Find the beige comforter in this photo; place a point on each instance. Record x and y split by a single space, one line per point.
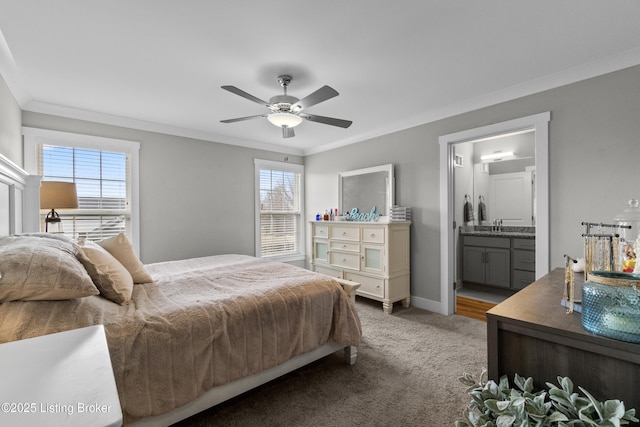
204 322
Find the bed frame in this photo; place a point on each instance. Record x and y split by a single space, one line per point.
225 392
19 199
19 213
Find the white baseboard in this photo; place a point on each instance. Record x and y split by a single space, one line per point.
428 304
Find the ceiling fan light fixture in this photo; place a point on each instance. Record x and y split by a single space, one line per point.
284 119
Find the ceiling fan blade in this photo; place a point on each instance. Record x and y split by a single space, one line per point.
240 119
322 94
287 132
244 94
327 120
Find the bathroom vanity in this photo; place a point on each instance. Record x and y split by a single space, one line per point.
502 259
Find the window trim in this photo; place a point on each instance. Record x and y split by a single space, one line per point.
287 167
35 136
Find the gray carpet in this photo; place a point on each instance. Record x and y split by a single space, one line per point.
406 375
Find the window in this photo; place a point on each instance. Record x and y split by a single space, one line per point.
105 173
279 210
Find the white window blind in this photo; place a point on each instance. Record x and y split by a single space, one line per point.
97 165
102 181
279 201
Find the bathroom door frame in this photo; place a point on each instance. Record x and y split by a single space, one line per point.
538 123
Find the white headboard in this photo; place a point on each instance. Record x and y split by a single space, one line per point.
19 199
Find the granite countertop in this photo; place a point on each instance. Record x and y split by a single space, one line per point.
507 231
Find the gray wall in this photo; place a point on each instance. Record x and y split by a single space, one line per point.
594 156
10 121
594 168
196 197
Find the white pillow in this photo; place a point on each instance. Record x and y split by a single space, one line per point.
110 277
122 250
41 267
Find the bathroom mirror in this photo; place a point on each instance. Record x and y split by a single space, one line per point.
508 184
365 188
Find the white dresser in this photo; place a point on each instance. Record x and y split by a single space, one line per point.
376 255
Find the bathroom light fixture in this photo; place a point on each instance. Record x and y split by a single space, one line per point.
497 155
284 119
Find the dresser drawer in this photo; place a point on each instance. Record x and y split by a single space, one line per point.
345 260
522 279
373 234
524 260
529 244
320 230
368 285
488 242
345 246
345 233
328 271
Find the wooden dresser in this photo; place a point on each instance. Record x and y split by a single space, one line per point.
531 334
376 255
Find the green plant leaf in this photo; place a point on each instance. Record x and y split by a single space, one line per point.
505 421
597 405
566 384
630 415
524 384
498 405
585 415
468 380
504 383
556 417
613 409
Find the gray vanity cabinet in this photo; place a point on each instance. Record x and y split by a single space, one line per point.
487 261
524 262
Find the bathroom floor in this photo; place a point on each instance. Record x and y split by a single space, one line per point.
481 295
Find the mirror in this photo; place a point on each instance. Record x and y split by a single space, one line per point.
365 188
504 185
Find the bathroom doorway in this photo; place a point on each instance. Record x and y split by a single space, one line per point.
538 124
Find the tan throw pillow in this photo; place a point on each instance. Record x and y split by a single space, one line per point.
120 247
41 267
110 277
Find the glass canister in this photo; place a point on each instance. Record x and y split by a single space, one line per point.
629 238
611 305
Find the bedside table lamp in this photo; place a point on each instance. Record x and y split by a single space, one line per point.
57 194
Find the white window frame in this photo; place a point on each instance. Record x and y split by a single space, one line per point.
287 167
35 136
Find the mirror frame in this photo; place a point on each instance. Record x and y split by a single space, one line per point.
390 184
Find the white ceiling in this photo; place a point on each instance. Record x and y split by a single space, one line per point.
159 64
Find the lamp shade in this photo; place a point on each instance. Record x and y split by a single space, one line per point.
284 119
58 195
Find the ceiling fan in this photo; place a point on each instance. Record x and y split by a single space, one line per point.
285 111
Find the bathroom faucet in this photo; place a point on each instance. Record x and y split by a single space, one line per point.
497 225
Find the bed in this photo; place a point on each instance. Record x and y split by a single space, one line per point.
204 330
